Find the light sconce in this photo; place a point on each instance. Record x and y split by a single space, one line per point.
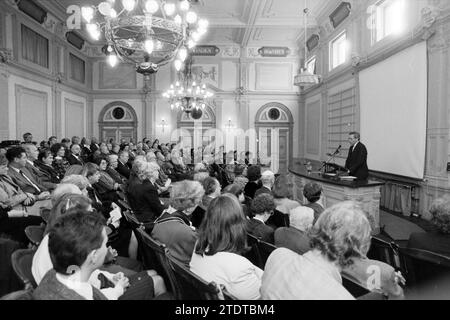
163 124
229 125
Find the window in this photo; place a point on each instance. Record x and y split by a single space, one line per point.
341 120
338 50
34 47
387 19
77 68
311 65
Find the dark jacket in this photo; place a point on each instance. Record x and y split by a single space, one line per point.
24 184
73 160
260 230
175 232
357 162
263 190
292 239
50 174
250 189
41 176
123 170
144 200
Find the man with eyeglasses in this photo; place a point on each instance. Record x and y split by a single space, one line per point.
356 163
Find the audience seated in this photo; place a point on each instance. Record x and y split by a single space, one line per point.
173 227
17 171
238 192
106 187
222 240
113 161
262 208
253 175
437 240
44 163
74 156
341 234
296 236
143 193
312 192
60 163
32 156
122 238
212 190
122 165
282 192
267 181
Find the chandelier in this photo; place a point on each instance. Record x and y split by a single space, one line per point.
306 78
148 33
187 94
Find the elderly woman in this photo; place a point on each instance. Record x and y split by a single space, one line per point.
438 240
218 252
143 192
341 234
296 236
13 211
173 228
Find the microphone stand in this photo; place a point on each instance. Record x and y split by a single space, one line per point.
330 159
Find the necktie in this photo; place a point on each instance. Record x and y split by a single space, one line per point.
31 182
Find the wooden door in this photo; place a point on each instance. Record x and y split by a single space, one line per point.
283 155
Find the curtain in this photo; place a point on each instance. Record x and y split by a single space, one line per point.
34 47
397 198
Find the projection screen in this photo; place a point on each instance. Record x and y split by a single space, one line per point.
393 100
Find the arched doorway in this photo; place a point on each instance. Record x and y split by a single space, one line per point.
196 133
274 127
118 121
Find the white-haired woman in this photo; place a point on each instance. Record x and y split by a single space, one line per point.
174 227
143 193
341 234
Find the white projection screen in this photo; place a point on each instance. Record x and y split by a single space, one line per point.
393 100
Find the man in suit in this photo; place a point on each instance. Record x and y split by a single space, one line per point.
74 156
267 180
295 237
94 144
32 156
122 167
356 163
17 160
262 208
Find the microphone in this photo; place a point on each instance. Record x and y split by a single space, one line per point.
338 150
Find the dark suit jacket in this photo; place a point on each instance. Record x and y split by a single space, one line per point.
94 147
357 162
263 190
115 175
260 230
250 189
292 239
144 200
72 160
23 183
49 173
123 170
41 176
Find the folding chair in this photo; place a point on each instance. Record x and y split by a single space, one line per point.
384 249
35 234
192 287
427 273
22 260
154 255
19 295
265 249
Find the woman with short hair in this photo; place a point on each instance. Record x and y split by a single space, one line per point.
173 227
341 235
218 252
44 163
60 163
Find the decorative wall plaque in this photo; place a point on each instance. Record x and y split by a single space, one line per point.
274 51
205 51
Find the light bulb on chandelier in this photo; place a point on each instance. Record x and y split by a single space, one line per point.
148 33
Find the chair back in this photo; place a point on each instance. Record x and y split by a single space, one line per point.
278 219
252 253
265 249
35 234
427 273
22 260
19 295
131 218
155 256
192 286
383 248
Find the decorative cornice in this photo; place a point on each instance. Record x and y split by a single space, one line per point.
5 55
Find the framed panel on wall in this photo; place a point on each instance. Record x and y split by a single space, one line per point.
274 76
31 112
123 76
